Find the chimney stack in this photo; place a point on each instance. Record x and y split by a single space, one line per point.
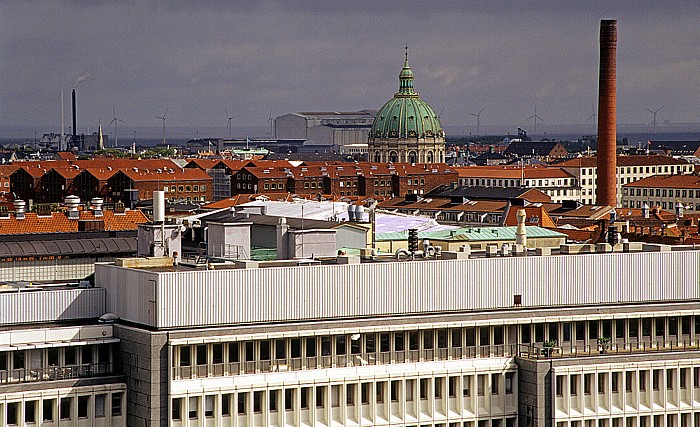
606 189
75 131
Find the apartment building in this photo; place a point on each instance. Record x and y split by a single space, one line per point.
557 183
629 169
463 342
665 191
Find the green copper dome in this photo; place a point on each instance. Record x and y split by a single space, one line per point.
406 115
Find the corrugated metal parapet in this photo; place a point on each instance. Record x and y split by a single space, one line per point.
173 299
51 305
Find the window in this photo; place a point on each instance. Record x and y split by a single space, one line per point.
30 411
311 347
83 402
217 352
176 410
684 378
350 394
257 401
65 408
560 385
209 406
185 356
656 379
587 381
495 379
601 383
320 396
399 343
379 388
233 350
395 390
272 399
452 386
481 384
194 408
424 388
201 354
225 405
305 391
409 392
466 386
242 403
12 408
629 375
670 373
100 405
48 406
325 346
289 399
438 387
615 381
364 391
509 382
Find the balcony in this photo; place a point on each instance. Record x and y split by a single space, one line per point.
341 361
613 349
54 373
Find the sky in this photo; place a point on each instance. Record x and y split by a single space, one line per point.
199 59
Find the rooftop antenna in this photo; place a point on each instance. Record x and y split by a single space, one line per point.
230 117
115 120
536 117
272 123
478 120
163 117
654 113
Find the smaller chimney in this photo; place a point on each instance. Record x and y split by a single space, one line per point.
520 231
282 239
19 208
159 207
645 211
679 210
72 202
97 206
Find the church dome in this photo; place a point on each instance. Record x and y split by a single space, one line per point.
406 116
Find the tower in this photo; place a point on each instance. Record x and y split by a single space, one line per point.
606 190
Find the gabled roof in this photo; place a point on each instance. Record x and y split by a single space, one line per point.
512 172
532 148
534 215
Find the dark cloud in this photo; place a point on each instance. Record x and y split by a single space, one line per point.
250 57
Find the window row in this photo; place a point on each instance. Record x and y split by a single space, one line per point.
184 188
659 329
323 396
64 408
55 356
629 381
686 419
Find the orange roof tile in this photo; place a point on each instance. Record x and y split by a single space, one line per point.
668 181
534 215
58 222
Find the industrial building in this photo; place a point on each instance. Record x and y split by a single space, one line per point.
326 128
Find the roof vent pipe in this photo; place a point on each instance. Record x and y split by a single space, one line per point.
19 208
159 206
97 206
72 202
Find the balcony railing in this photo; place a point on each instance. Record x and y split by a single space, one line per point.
537 351
53 373
612 348
342 361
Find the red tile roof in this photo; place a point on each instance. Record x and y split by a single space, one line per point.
668 181
512 172
58 222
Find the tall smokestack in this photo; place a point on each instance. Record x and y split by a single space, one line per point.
606 190
75 131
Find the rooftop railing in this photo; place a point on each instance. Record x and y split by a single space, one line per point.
613 348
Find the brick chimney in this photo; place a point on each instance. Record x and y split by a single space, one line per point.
606 189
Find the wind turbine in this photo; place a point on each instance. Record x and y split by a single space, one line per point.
535 116
654 113
593 116
230 118
478 120
163 117
115 120
272 123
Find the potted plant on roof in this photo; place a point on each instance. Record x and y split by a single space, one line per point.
548 347
603 344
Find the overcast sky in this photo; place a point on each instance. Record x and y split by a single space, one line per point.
198 58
